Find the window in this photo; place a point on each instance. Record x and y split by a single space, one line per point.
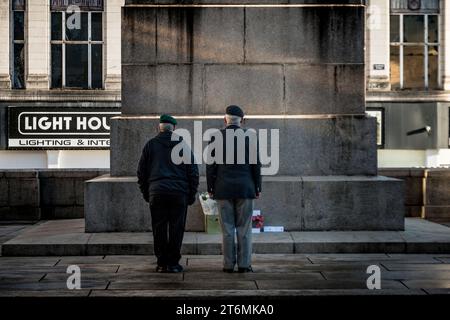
76 46
414 49
18 44
378 113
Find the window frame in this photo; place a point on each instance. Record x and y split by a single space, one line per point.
425 44
383 124
89 42
13 42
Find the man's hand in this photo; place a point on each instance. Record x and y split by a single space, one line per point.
211 195
257 195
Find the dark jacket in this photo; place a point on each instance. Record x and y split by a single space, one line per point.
234 181
157 174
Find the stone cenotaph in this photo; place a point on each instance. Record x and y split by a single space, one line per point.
296 66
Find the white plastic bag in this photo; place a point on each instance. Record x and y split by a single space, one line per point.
209 205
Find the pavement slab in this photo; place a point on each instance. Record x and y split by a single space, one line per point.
9 231
49 285
414 262
299 276
44 293
68 260
248 294
427 284
184 285
275 275
323 284
436 291
416 266
390 275
31 261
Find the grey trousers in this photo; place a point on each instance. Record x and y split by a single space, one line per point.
236 214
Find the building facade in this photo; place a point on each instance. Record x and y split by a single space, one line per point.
408 80
60 79
58 58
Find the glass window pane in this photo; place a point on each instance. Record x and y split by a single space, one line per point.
77 66
97 66
56 65
430 5
378 114
18 25
416 6
395 28
413 28
433 29
56 26
413 71
18 5
433 64
97 26
395 67
77 26
19 70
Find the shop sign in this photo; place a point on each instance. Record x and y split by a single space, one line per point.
59 128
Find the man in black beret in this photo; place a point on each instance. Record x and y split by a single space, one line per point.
169 188
235 186
234 111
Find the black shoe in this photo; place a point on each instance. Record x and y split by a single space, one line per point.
175 269
161 269
228 270
244 270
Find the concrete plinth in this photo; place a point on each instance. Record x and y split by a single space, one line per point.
344 145
297 203
296 66
116 204
194 59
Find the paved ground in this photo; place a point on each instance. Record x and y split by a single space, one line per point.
276 275
67 237
284 275
9 231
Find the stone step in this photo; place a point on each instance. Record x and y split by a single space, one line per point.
299 203
67 238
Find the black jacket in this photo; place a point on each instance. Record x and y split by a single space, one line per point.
157 174
234 181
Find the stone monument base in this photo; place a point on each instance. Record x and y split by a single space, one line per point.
297 68
298 203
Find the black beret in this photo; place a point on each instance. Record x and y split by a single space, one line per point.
165 118
234 111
